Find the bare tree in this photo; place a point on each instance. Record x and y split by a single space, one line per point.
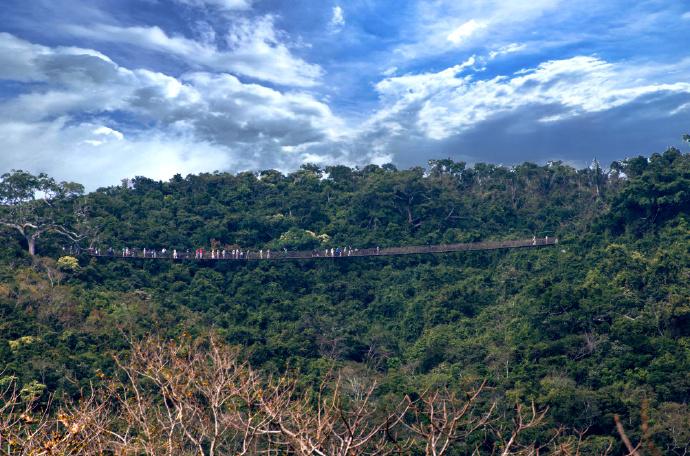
201 398
204 395
74 428
571 444
645 445
329 422
509 437
441 418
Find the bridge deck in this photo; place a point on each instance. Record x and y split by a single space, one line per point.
261 255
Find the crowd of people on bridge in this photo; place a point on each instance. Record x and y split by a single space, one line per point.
213 254
242 254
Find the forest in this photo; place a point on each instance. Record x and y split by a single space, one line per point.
567 344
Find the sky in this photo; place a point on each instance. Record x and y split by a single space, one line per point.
95 91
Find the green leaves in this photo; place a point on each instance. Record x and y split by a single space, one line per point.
589 327
34 205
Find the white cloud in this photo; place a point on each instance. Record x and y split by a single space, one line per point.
464 31
680 109
105 131
337 17
73 152
443 104
413 86
21 60
199 122
507 49
253 49
686 16
441 26
228 5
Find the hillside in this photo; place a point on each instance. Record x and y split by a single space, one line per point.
597 326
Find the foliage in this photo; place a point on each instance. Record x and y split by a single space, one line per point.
299 239
34 205
68 263
199 397
589 329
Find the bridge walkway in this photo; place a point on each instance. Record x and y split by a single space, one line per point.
273 255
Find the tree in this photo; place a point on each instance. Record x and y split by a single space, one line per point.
441 418
200 397
446 166
298 239
35 205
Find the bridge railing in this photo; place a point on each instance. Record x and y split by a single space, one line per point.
251 255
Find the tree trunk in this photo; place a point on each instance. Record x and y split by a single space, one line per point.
32 245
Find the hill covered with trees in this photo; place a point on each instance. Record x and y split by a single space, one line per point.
595 327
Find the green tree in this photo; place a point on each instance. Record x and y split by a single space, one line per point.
34 205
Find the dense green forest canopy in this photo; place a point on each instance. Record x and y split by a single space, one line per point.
592 328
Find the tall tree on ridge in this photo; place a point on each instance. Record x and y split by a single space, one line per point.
35 205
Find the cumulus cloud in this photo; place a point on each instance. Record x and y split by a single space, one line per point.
78 114
439 105
553 111
94 114
252 48
79 152
516 136
23 61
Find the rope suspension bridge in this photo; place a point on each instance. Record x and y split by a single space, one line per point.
237 254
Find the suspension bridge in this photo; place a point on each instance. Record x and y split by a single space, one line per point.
238 254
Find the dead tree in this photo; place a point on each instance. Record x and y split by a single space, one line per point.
201 398
329 422
442 419
76 427
185 399
509 437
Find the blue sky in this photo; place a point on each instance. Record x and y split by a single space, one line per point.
99 90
